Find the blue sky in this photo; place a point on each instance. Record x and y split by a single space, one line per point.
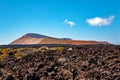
77 19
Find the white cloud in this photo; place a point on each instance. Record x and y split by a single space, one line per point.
98 21
71 23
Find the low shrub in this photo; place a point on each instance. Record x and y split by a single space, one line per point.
20 49
43 48
3 56
6 50
58 48
19 54
1 53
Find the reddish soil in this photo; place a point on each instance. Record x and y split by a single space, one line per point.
31 40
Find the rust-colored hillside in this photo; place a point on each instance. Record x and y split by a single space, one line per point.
61 41
32 38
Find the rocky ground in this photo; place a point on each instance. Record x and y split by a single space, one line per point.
100 62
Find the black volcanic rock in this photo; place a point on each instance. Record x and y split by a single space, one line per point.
79 64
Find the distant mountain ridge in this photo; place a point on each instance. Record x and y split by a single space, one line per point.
34 38
66 38
35 35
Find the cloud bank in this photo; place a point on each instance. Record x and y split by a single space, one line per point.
99 21
71 23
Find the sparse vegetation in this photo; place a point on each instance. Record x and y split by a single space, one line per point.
43 48
3 56
57 48
95 62
19 54
6 50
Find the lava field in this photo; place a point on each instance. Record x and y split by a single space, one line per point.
88 62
